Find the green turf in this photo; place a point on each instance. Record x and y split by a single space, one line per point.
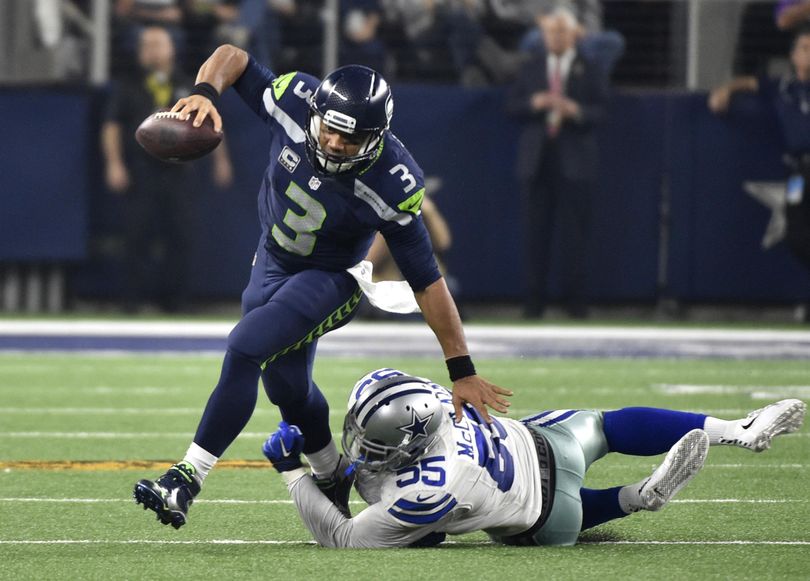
46 395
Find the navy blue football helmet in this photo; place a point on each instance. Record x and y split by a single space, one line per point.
355 100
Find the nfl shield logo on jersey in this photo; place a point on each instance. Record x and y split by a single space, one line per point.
314 183
289 159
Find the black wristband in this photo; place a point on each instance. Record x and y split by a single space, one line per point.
206 90
460 367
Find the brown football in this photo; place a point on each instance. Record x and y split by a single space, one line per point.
166 136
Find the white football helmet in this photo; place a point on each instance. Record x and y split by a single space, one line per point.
392 419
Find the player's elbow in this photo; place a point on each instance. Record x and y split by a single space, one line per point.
231 51
424 288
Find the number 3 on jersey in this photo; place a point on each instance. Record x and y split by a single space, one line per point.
304 225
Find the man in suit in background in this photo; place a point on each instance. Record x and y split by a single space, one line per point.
559 97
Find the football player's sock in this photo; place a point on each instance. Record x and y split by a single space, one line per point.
716 428
230 405
600 506
648 431
202 460
629 497
324 461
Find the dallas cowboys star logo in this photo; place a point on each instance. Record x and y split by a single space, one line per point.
418 426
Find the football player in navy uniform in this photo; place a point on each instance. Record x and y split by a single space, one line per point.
336 176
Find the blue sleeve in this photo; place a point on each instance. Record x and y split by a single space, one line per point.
252 84
411 248
768 88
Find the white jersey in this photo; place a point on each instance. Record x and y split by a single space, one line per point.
474 477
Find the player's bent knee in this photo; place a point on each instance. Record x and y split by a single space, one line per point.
242 343
286 396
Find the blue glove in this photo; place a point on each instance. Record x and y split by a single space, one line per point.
283 447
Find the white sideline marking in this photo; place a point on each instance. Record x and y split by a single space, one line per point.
311 543
196 411
754 391
130 501
797 543
738 501
772 395
115 435
135 435
104 411
289 501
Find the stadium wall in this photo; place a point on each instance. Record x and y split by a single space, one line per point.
665 160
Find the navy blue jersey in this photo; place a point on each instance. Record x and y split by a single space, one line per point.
790 98
310 220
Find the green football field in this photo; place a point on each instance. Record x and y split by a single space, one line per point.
77 431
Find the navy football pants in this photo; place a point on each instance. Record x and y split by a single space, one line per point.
283 315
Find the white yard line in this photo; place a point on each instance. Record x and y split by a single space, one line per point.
310 543
289 502
71 411
196 411
130 501
697 389
698 543
115 435
131 435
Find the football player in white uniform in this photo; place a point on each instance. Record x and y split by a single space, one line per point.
426 473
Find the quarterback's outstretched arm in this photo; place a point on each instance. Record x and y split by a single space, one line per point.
220 71
441 314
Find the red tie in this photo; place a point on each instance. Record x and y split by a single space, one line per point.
555 86
556 76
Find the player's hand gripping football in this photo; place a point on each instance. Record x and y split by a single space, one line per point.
284 446
204 108
480 393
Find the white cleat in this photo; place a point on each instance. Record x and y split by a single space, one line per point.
682 463
758 428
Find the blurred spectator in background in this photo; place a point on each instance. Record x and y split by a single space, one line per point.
134 15
447 40
559 97
602 47
263 19
360 40
206 23
479 59
792 14
253 25
156 194
416 30
789 96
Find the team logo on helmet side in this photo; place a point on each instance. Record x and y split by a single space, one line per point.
417 427
391 420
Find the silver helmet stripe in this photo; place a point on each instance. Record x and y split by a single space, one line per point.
383 386
364 419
